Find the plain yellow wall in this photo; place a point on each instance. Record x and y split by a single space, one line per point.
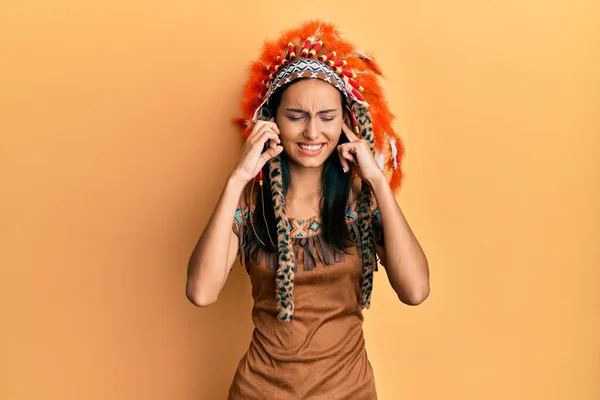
116 140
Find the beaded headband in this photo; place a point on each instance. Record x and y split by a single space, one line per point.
298 69
316 50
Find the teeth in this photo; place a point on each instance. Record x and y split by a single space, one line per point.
310 147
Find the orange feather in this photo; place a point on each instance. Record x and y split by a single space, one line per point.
368 73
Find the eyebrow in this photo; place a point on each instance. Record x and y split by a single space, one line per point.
299 111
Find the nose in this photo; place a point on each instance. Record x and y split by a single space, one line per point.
312 131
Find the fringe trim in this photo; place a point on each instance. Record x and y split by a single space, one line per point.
308 249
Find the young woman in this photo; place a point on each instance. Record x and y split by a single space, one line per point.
306 228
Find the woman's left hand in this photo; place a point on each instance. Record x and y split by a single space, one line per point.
357 152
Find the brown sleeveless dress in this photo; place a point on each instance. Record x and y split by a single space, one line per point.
321 353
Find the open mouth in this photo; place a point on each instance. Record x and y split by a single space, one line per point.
310 149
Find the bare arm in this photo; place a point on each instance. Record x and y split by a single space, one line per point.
406 265
215 252
401 254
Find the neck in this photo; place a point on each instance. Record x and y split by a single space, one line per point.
305 183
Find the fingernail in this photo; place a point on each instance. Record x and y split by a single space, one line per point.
345 169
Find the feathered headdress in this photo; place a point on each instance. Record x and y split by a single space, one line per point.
316 50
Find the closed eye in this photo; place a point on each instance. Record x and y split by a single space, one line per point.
298 118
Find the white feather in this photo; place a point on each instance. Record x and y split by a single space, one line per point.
363 55
394 152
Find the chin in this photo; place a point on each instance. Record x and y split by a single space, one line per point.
306 162
310 163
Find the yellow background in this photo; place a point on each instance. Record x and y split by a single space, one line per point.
116 140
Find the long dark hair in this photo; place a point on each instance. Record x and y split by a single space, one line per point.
335 191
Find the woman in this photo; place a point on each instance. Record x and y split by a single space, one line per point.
309 202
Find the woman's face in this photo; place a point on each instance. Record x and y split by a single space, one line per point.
310 118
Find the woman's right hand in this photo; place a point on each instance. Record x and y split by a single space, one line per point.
253 158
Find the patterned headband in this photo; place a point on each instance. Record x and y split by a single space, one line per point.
311 69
